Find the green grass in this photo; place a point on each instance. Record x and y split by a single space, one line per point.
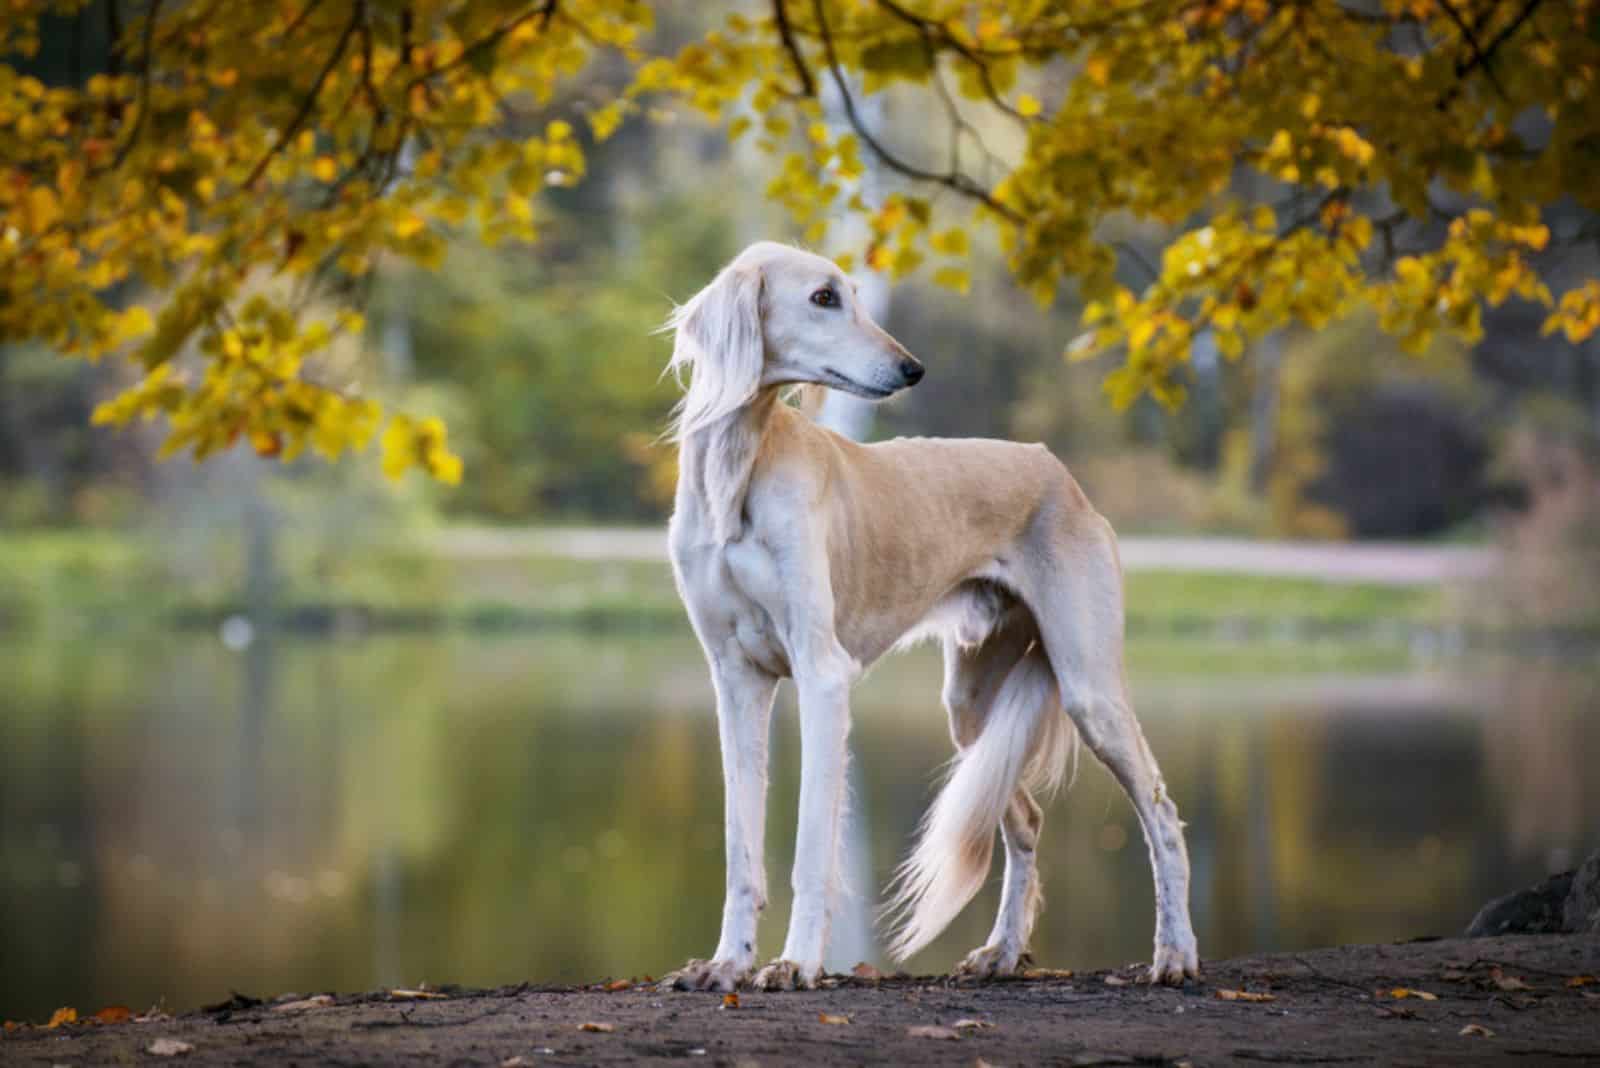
53 578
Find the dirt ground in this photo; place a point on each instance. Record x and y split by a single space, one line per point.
1526 1000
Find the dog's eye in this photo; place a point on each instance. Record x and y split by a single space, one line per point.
825 298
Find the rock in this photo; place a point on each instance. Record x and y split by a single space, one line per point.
1539 909
1582 912
1568 903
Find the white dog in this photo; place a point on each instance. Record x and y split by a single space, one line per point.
802 554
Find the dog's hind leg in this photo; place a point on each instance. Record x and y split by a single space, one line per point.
1021 896
1074 586
972 678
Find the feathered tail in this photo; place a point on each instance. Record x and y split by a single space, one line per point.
1025 740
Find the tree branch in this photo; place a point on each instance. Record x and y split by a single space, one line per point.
146 66
544 12
955 180
780 14
310 101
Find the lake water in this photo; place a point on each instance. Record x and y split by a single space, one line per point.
178 820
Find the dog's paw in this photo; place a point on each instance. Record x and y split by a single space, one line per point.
786 975
721 975
1175 963
991 962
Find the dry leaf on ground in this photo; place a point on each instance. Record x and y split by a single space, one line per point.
831 1018
1407 992
61 1016
169 1047
113 1014
973 1025
1581 980
599 1028
1476 1029
1116 980
1245 995
316 1001
1049 973
933 1031
730 1001
415 995
866 971
1507 982
616 985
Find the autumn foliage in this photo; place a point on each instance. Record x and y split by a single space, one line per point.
1302 159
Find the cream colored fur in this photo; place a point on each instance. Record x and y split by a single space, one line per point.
800 554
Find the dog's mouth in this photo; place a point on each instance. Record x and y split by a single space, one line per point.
850 385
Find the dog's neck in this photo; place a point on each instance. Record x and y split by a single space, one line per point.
715 464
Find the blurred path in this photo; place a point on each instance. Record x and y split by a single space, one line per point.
1383 563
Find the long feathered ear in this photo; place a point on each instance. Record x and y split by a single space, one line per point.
719 342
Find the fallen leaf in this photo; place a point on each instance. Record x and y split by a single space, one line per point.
932 1031
1507 982
316 1001
601 1028
113 1014
616 985
10 1026
1116 980
518 1061
1476 1029
973 1025
1048 973
866 971
730 1001
1406 992
1581 980
169 1047
412 995
830 1018
1245 995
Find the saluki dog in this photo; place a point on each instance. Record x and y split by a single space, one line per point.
802 554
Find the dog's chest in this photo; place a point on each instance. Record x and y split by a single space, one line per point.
756 591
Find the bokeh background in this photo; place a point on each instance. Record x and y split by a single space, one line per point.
271 727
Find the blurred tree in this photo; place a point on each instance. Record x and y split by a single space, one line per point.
231 156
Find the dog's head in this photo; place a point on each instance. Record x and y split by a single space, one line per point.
779 315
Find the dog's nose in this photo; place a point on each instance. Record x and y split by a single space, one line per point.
912 371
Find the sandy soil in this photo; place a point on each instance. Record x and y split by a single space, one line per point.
1515 999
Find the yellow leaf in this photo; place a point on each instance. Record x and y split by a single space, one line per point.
1028 105
43 207
599 1028
325 169
1244 995
832 1020
1406 992
62 1016
1098 68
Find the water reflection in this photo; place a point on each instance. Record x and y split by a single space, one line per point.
178 820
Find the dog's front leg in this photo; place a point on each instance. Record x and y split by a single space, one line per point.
744 712
824 728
